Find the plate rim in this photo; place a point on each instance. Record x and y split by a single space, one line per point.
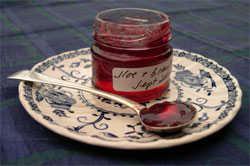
134 145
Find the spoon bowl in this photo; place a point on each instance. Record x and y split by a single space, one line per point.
167 116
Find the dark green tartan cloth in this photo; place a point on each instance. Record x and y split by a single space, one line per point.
33 30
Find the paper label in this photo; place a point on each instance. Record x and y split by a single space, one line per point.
140 79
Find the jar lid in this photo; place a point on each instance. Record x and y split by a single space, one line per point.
132 28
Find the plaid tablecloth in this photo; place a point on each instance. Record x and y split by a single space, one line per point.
33 30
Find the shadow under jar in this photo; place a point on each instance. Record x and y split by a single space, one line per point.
131 55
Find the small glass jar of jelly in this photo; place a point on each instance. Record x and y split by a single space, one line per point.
131 55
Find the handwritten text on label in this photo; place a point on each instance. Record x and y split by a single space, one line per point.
138 79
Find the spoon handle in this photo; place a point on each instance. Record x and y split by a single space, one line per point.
32 76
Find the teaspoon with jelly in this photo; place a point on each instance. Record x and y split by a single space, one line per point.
160 117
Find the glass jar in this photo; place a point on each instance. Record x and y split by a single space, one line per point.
131 55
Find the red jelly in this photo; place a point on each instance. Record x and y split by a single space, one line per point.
168 114
131 53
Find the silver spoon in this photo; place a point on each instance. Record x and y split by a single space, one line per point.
160 117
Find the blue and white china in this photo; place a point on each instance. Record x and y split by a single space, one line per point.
98 121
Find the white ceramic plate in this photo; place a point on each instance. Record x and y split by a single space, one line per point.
94 120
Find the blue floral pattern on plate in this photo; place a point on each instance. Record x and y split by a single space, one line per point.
96 120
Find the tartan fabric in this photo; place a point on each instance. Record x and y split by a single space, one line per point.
33 30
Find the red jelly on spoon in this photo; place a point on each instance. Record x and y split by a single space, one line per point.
170 116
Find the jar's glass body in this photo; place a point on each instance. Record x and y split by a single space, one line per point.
103 64
137 70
